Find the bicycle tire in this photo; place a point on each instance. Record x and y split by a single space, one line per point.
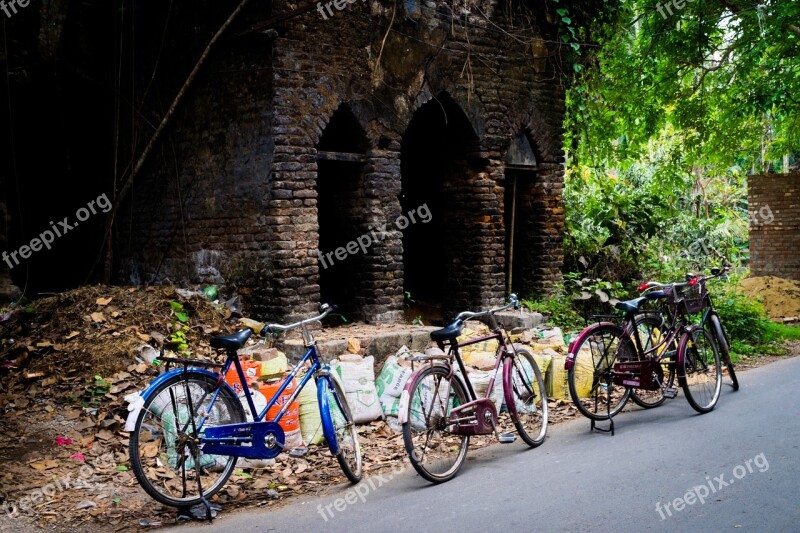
645 398
345 436
724 346
528 396
425 395
154 460
601 340
697 365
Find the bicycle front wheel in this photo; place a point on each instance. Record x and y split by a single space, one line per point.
345 436
435 452
528 396
701 371
652 332
722 344
166 457
590 377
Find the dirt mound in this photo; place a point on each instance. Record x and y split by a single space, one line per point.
781 297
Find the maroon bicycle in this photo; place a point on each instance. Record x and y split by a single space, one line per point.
440 411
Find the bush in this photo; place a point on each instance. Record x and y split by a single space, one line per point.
559 310
744 319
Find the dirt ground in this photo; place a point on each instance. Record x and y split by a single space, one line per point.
781 297
67 363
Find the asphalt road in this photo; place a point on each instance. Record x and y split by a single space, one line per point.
742 460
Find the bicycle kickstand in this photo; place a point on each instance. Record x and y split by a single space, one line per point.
610 428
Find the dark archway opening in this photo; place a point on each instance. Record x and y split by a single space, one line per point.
520 216
435 166
340 161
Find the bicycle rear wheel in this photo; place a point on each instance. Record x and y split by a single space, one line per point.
722 344
590 377
345 436
435 452
651 333
701 371
164 451
528 396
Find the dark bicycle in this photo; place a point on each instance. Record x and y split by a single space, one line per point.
609 363
699 299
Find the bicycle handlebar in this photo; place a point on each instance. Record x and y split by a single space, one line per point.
513 301
691 279
325 308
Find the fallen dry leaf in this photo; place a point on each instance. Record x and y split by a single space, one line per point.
45 464
105 434
103 301
98 317
72 335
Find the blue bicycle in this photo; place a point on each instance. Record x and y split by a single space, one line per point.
192 426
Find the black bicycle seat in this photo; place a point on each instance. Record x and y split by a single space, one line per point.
631 306
234 341
449 332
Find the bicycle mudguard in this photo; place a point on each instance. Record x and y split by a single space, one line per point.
683 345
328 430
145 394
405 396
577 341
508 385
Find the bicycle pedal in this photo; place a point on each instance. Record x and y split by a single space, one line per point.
670 392
506 438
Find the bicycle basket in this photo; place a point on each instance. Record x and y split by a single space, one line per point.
690 298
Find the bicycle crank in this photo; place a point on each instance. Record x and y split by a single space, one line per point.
478 417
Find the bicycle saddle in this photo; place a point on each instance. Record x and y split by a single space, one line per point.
233 341
449 332
631 306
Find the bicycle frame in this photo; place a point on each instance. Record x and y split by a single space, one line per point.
316 365
247 429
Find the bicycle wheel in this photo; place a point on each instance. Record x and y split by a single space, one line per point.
652 333
435 452
528 396
590 378
718 333
701 372
345 434
165 456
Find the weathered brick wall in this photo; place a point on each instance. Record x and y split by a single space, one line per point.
236 192
774 206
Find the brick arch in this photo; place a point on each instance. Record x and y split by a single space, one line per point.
546 138
472 112
534 253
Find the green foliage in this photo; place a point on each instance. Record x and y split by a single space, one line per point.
178 312
178 338
179 328
744 319
94 392
559 310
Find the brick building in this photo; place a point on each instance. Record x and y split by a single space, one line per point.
774 206
296 141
